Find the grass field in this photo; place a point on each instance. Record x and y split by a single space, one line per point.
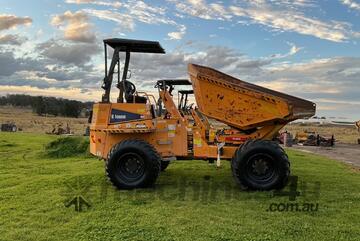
191 200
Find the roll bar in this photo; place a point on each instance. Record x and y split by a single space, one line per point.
124 45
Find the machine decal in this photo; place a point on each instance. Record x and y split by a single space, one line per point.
171 127
120 116
236 138
140 126
171 130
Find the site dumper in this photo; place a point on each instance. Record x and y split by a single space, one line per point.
139 134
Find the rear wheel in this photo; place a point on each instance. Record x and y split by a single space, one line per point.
133 164
260 165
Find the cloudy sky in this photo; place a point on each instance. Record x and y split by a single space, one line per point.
307 48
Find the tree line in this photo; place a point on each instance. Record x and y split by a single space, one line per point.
42 105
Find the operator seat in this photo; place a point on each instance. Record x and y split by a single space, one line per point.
138 99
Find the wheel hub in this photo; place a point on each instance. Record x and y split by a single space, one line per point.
131 165
260 167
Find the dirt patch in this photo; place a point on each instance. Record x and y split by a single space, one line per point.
342 133
348 153
28 121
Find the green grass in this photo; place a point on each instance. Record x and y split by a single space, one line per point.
67 147
184 205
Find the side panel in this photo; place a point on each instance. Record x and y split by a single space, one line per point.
171 135
204 150
168 137
109 116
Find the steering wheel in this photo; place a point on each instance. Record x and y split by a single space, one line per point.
129 88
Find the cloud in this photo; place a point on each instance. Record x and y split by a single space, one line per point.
146 13
351 4
133 11
78 54
114 4
72 93
201 9
298 4
287 20
138 11
276 15
75 25
51 70
12 39
324 81
9 64
335 78
179 34
11 21
293 50
123 20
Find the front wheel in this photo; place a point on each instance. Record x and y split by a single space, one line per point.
133 164
260 165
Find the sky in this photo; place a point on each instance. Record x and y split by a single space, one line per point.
306 48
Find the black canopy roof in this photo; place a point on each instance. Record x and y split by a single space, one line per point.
174 82
132 45
186 91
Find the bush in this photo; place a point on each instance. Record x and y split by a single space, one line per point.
67 147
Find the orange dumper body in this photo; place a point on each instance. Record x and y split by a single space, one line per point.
252 111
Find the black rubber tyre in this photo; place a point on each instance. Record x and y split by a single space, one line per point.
260 165
164 165
133 164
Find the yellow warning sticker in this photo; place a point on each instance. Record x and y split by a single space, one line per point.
197 142
140 110
171 133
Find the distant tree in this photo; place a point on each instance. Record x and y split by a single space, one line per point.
72 108
39 106
48 105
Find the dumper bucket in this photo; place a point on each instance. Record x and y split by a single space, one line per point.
243 105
